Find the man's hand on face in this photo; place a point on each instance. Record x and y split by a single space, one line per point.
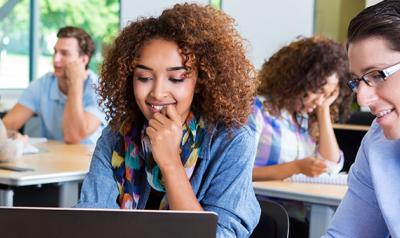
75 73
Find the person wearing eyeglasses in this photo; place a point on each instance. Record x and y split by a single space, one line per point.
371 206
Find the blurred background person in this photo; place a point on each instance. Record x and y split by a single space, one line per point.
301 89
64 100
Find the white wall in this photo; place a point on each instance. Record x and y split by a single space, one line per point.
8 98
132 9
266 24
371 2
270 24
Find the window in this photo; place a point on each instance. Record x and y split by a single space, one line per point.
18 64
14 44
216 4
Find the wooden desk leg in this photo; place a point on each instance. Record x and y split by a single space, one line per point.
6 197
320 219
68 194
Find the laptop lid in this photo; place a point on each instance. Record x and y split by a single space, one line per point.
68 223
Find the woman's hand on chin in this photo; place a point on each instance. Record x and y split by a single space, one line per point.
165 133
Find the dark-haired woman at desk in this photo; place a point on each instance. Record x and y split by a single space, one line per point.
178 90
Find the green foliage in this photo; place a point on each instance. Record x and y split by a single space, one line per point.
100 18
216 4
15 24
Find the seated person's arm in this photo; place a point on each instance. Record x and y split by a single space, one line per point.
77 123
328 146
17 117
78 126
309 166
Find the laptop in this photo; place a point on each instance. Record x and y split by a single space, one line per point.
73 223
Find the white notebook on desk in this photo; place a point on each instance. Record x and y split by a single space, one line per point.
337 179
37 140
29 147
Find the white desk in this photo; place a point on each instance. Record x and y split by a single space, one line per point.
56 163
323 199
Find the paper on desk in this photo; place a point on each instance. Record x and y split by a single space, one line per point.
30 149
338 179
37 140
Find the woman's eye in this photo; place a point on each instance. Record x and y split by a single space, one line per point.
176 80
143 79
377 77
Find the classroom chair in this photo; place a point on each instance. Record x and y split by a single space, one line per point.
274 221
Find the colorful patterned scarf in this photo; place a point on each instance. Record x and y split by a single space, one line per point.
134 158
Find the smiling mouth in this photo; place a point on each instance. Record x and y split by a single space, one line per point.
384 113
157 107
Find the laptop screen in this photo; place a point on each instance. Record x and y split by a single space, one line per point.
68 222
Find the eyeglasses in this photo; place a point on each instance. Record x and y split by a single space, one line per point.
373 78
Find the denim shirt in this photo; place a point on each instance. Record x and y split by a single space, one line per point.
222 181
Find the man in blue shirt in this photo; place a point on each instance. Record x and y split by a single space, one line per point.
65 100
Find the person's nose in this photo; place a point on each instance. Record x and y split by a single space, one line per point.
365 94
159 90
57 58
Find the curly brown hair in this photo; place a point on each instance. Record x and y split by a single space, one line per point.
208 43
303 66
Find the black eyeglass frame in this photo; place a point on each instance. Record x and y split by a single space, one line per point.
373 81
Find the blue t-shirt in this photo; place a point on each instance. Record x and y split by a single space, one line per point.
45 99
371 207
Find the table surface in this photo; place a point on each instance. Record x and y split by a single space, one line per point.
56 162
324 194
350 127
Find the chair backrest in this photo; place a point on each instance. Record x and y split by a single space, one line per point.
274 221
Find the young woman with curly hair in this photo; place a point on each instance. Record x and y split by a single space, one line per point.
178 90
300 90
